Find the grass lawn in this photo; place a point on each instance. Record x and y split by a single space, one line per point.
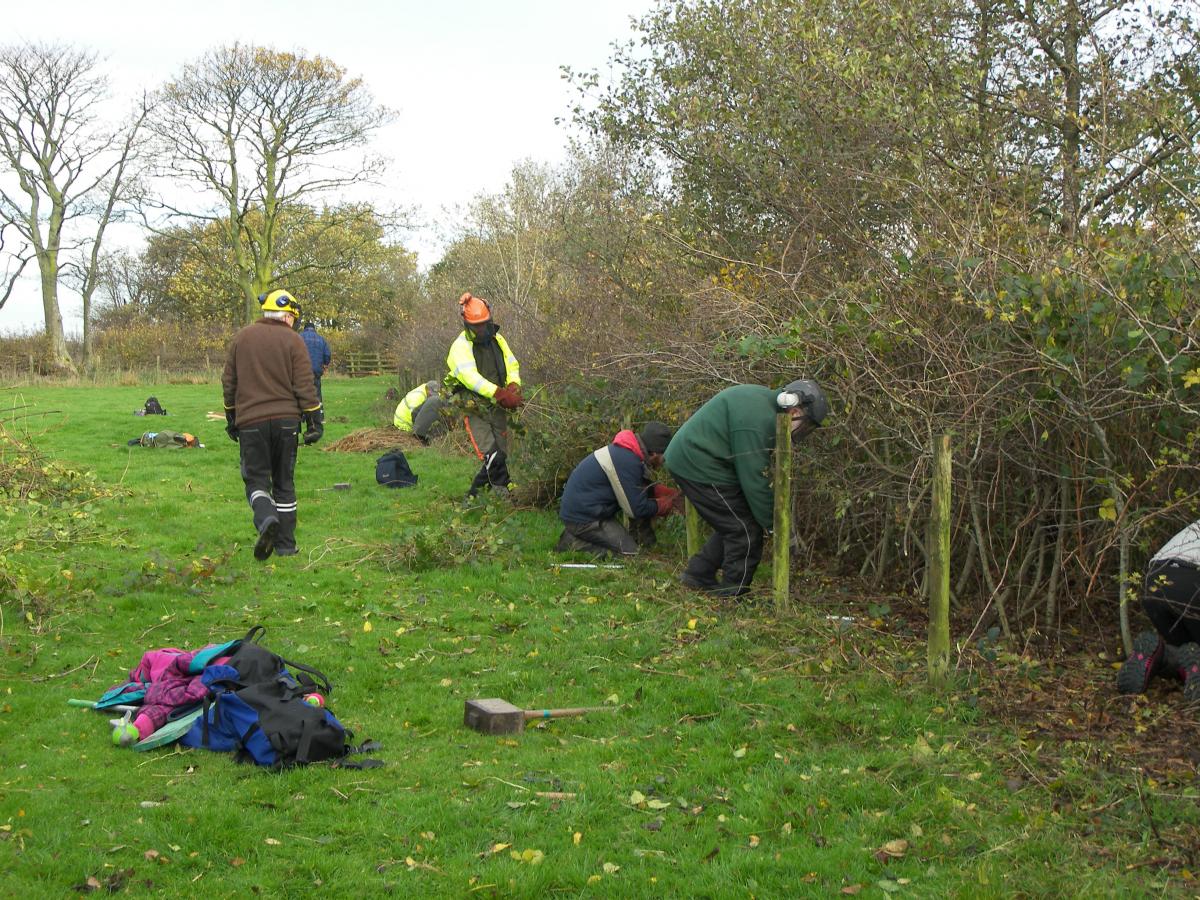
745 755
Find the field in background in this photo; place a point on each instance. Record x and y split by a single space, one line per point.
746 756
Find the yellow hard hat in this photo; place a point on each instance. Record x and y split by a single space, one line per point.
280 301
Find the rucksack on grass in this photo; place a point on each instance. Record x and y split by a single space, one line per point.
262 716
392 470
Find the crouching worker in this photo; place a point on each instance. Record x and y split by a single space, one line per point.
616 479
1171 599
268 389
721 458
420 411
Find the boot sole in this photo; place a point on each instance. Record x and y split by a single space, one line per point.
265 545
1134 676
1189 661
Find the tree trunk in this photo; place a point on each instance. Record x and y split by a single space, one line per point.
57 358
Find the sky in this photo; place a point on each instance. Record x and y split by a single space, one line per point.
475 84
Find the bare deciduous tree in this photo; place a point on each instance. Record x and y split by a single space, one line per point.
262 131
65 165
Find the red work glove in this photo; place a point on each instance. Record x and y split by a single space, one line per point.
664 506
515 390
506 398
672 496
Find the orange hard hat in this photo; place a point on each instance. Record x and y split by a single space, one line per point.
475 310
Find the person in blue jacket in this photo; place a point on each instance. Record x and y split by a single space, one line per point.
615 479
318 353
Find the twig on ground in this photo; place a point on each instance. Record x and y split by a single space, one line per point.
82 665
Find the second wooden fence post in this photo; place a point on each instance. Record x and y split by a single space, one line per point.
939 565
783 513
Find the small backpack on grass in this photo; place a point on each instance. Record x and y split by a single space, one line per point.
153 407
392 470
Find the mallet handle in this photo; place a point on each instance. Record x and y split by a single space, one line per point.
562 713
90 704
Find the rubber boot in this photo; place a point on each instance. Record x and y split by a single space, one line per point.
285 539
266 523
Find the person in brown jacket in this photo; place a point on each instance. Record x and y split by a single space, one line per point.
269 389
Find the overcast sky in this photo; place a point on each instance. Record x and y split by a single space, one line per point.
476 84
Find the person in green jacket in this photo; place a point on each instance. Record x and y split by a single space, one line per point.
721 460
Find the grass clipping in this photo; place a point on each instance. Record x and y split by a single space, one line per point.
366 440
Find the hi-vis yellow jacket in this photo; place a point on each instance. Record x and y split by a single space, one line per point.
403 417
461 363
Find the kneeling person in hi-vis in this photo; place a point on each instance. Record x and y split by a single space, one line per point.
614 479
268 387
419 411
482 367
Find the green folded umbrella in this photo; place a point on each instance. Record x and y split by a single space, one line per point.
171 731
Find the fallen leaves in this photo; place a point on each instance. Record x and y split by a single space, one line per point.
892 850
528 855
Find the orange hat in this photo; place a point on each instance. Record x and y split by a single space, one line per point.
475 310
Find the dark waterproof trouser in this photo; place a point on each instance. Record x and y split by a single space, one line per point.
605 537
736 545
1171 600
317 382
488 432
426 417
268 451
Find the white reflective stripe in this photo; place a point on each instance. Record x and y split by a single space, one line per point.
604 457
260 495
286 507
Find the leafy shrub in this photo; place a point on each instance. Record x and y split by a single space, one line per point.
43 505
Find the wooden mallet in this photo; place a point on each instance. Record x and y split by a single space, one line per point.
495 716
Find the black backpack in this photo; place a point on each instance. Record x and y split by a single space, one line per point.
153 407
262 715
392 470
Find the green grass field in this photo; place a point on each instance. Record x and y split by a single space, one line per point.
745 756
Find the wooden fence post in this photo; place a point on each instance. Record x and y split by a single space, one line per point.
939 565
782 546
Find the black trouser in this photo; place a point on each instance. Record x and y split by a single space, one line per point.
1172 600
736 546
268 452
317 382
607 536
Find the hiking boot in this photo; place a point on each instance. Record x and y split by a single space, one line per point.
1189 669
286 551
1143 664
697 582
265 545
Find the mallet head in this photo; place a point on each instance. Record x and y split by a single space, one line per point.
494 716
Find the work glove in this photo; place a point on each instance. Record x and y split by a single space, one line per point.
314 425
667 498
506 398
231 428
515 390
